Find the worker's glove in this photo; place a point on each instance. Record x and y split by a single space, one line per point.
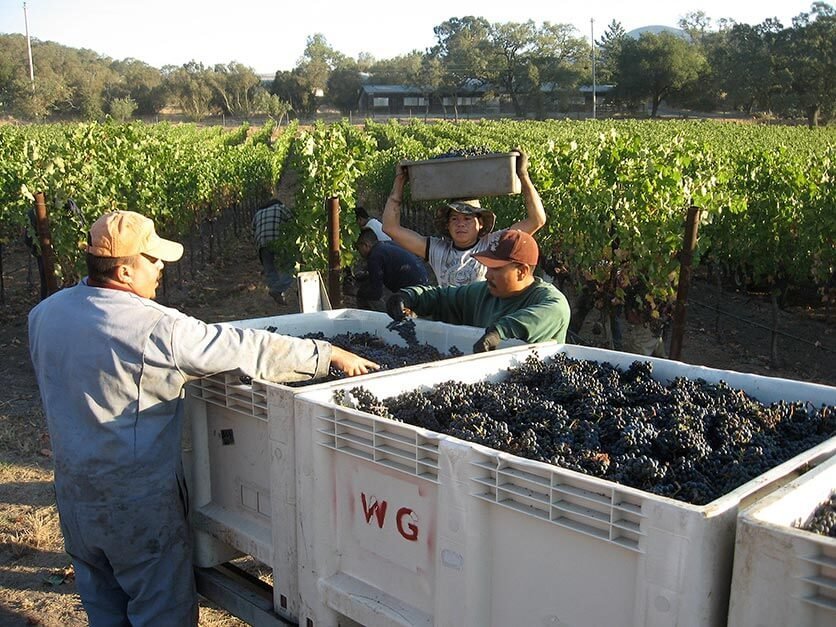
487 342
396 306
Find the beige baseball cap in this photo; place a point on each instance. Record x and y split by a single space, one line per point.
127 233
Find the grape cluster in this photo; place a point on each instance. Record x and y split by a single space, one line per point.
472 151
823 520
690 440
406 329
376 349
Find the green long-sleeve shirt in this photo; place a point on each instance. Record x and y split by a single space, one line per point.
539 314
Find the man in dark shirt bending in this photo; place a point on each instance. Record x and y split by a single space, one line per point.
389 267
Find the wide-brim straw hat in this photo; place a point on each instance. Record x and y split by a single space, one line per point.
468 208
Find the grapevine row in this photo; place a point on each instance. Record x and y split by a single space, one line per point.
615 192
177 175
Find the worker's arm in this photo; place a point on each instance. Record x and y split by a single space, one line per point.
402 236
452 304
535 213
198 349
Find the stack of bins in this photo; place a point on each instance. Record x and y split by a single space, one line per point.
239 450
784 575
403 526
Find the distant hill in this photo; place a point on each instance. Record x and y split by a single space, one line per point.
656 29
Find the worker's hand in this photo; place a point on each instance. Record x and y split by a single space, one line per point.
522 163
396 306
351 364
488 342
401 172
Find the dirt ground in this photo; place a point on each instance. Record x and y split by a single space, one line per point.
36 579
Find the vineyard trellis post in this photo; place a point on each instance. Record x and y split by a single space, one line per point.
201 230
179 274
773 339
689 243
332 206
45 242
236 219
218 226
2 282
191 253
210 222
718 284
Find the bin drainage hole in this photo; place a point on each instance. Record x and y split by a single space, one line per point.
451 559
663 604
227 437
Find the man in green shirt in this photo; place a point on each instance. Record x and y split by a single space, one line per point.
511 303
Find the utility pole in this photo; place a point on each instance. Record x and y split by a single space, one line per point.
29 48
592 39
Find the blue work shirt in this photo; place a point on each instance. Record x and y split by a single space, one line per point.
391 266
111 367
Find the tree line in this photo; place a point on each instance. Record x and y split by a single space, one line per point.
538 69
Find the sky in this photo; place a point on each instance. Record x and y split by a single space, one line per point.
271 35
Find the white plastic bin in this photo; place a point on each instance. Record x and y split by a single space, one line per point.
784 575
403 526
241 455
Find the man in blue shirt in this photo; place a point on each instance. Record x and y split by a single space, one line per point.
111 365
389 267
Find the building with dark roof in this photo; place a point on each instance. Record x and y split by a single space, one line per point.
408 99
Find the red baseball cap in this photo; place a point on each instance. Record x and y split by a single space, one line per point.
510 247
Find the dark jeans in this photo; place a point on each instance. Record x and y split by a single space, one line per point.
278 281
